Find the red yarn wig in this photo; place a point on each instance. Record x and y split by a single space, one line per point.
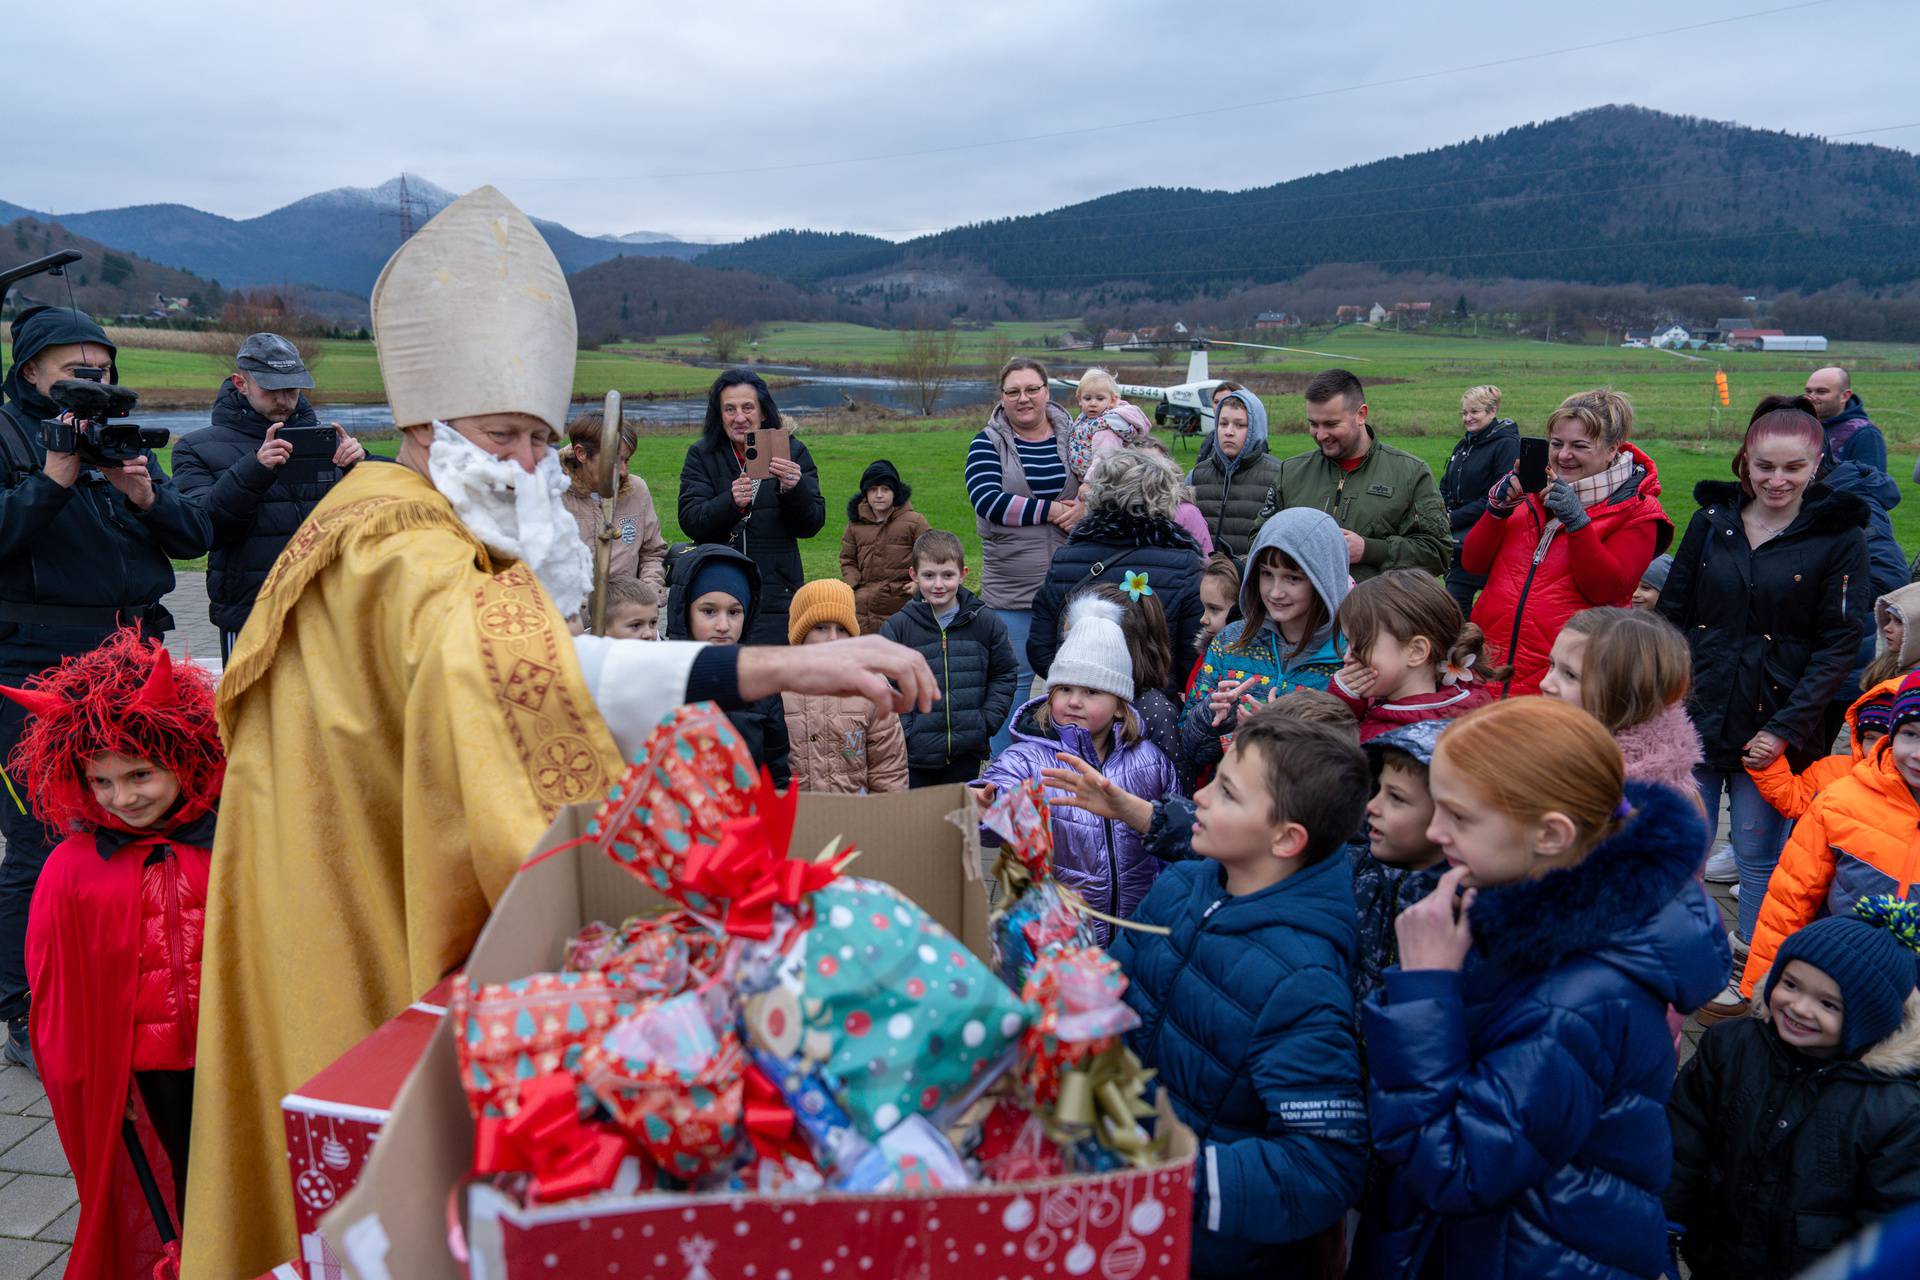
126 697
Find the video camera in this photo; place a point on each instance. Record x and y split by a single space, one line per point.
92 404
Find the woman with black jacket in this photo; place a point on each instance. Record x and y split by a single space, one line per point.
1129 538
1771 588
1489 446
763 519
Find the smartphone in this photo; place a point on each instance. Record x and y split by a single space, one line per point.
312 444
762 447
1533 464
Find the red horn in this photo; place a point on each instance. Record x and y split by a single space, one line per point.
158 691
39 704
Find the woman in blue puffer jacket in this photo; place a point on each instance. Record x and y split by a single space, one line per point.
1519 1052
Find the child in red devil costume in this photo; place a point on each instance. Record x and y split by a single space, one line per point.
122 754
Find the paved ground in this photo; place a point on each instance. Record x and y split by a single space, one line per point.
37 1203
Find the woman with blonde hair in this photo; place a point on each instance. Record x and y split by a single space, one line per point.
1489 446
639 551
1519 1052
1584 540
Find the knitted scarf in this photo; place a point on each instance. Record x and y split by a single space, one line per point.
1592 491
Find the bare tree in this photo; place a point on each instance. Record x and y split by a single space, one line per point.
999 349
926 364
283 310
726 337
1162 355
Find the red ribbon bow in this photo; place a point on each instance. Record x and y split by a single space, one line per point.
547 1138
770 1120
749 868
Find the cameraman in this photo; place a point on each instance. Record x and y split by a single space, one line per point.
235 470
82 552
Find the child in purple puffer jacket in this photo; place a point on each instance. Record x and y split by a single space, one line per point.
1087 712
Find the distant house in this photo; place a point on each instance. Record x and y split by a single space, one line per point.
1277 320
1376 314
1638 337
1792 342
1179 328
1074 342
1350 314
1114 339
1749 339
1674 335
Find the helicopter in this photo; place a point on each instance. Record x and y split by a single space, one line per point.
1187 407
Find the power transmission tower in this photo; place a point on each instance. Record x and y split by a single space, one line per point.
406 210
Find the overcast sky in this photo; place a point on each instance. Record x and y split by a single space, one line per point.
612 116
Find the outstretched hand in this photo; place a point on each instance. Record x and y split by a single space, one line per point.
1089 789
1434 933
891 676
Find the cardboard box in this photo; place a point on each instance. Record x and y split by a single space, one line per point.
333 1119
394 1223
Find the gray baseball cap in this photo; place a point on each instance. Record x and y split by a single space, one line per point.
273 362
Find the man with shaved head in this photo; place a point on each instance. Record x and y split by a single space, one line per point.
1851 435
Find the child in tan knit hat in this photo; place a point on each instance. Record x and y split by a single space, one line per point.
838 744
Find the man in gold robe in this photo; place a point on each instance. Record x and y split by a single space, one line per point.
406 712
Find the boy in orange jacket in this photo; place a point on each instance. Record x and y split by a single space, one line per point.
1859 838
122 753
1868 721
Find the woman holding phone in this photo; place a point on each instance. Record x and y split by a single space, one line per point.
762 518
1582 538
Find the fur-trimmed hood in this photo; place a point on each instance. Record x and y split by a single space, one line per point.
1663 749
1897 1057
1822 509
1632 902
1905 604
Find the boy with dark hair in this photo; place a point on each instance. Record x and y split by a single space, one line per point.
633 609
1394 864
1245 1001
973 662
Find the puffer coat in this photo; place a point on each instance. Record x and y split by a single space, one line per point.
1794 793
1246 1017
1107 546
844 745
1230 491
1861 837
1530 594
1775 628
1779 1158
876 556
1519 1105
1105 862
973 662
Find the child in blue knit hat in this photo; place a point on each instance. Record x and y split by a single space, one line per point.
1796 1127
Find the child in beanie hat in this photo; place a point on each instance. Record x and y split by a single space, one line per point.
1087 713
122 753
1795 1128
843 745
1652 582
1854 842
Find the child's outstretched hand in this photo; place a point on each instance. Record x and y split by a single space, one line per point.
1434 932
984 792
1224 701
1087 788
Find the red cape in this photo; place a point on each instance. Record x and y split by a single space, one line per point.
83 951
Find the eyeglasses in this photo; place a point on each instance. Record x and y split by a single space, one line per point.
1022 393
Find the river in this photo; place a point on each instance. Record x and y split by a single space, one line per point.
811 393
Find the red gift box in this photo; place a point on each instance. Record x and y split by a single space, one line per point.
334 1117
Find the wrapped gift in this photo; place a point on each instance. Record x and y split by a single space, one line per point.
671 1080
512 1032
882 997
653 954
1031 913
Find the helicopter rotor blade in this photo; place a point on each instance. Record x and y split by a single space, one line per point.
1264 346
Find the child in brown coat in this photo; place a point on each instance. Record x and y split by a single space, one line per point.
844 745
876 551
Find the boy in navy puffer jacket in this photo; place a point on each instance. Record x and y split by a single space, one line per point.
1246 1005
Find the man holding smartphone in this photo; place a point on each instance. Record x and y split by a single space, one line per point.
237 470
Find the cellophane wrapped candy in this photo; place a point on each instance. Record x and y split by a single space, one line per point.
508 1033
671 1078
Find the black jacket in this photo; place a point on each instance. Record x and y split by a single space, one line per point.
83 548
1105 547
1230 498
974 663
768 531
1480 459
1774 628
254 510
764 723
1778 1157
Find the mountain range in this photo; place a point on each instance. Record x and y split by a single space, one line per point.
1612 195
336 239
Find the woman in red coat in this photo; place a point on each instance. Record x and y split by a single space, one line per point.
1582 542
123 754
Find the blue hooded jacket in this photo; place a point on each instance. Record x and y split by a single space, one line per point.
1519 1105
1247 1015
1313 541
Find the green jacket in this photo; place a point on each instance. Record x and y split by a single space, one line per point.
1391 500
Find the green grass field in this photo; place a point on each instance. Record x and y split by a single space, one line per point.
932 462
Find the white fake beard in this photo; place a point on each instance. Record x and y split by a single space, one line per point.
515 512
